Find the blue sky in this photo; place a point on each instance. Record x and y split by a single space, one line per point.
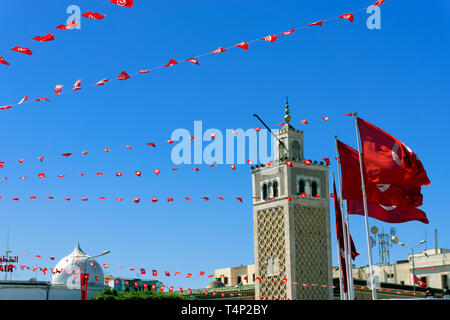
395 77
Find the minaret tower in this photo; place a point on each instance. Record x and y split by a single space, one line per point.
291 221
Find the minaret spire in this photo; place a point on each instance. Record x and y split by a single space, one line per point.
287 117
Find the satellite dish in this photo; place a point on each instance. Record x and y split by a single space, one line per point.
393 231
374 230
394 239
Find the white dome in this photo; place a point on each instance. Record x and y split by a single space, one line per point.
67 271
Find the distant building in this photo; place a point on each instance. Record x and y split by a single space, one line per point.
65 283
431 266
133 284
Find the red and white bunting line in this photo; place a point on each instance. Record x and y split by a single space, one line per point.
49 36
124 75
155 199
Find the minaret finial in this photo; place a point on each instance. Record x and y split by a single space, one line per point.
287 117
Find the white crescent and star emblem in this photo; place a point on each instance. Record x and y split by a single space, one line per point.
388 208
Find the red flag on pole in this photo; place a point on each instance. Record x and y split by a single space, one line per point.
419 282
84 279
386 194
388 160
340 239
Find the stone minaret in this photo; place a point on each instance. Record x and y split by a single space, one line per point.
292 223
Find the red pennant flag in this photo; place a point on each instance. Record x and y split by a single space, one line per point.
205 198
6 107
123 3
188 275
42 99
289 198
169 199
102 198
119 199
84 280
378 3
327 161
388 160
22 50
77 85
142 271
123 76
239 198
347 16
170 141
118 174
167 273
37 256
106 149
307 162
219 49
304 121
136 200
58 88
326 118
250 162
243 45
193 60
47 37
66 154
348 114
138 173
2 164
289 163
303 195
170 63
271 38
154 200
153 287
32 197
154 273
126 283
152 144
41 175
3 61
84 152
71 25
318 23
232 166
102 82
221 198
93 15
99 173
213 165
157 171
188 199
105 266
288 32
61 175
23 100
196 169
41 158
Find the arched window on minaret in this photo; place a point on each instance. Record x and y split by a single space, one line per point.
314 189
264 191
275 189
270 189
295 150
301 186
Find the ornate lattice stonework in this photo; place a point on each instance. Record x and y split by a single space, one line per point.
311 252
270 229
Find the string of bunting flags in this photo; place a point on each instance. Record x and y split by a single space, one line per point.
172 62
49 36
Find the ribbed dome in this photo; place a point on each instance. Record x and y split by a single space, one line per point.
75 263
215 284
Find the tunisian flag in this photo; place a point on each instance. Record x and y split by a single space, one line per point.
388 160
419 282
390 214
84 279
386 194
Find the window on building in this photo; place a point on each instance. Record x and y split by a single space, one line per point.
444 281
264 191
254 277
225 280
295 150
402 283
314 189
301 186
275 189
270 189
239 279
424 279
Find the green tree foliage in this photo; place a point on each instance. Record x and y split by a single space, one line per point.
112 294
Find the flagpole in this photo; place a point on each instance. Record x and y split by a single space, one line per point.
366 216
344 295
350 279
346 241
